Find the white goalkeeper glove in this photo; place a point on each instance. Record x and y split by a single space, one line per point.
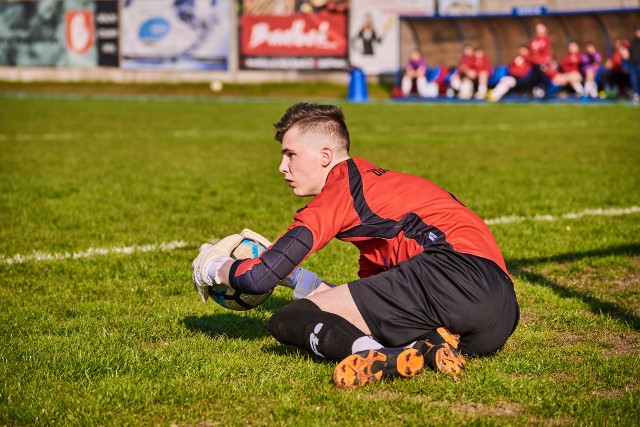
210 259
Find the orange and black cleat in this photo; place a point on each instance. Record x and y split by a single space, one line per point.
372 365
440 350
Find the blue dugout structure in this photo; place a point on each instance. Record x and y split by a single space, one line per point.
440 38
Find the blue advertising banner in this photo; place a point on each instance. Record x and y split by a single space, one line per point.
175 34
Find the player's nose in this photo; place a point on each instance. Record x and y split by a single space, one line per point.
284 165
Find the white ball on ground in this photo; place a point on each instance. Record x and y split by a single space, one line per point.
216 86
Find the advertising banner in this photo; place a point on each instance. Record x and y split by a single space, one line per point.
299 35
459 7
374 33
48 33
175 34
107 33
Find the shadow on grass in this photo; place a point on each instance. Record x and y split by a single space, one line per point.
228 325
236 324
286 350
517 268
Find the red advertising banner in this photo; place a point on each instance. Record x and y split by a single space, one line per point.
299 35
79 31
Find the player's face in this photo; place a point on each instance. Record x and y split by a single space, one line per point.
302 163
541 29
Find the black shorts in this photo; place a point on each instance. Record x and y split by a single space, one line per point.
469 295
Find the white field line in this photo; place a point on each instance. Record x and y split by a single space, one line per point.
573 215
92 252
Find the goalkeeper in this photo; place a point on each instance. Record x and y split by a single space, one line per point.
433 283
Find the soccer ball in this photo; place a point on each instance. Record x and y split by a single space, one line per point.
216 86
236 300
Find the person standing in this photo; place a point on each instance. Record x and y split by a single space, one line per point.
541 49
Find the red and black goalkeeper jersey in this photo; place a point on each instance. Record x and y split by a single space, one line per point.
389 216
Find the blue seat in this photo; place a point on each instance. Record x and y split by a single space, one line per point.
498 73
433 73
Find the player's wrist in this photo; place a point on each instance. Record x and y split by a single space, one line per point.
216 269
303 282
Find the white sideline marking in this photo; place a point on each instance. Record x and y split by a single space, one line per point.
39 256
91 252
572 215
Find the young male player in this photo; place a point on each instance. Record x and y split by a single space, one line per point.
433 283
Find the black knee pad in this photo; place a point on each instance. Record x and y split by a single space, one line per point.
286 324
304 325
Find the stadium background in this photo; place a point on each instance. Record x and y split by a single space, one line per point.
278 40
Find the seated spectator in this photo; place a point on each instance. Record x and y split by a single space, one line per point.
590 65
461 81
631 62
615 78
415 73
482 68
569 74
518 77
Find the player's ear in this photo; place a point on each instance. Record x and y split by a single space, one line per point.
326 156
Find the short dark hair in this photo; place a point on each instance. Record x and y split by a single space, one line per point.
325 119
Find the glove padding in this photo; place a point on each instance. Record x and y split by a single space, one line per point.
252 235
234 246
216 252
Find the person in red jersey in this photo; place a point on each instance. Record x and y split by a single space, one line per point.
461 81
433 284
616 79
541 49
570 69
483 69
518 75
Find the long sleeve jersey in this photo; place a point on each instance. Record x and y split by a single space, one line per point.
389 216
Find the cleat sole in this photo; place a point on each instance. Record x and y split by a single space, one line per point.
373 365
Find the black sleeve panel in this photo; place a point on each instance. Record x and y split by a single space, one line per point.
276 263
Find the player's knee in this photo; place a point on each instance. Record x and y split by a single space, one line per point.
287 325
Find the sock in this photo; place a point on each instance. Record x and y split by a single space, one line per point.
577 86
303 325
365 343
499 91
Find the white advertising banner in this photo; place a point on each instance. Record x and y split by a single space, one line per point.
459 7
175 34
374 33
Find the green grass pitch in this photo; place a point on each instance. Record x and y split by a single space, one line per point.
104 202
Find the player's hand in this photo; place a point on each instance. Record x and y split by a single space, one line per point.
209 260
